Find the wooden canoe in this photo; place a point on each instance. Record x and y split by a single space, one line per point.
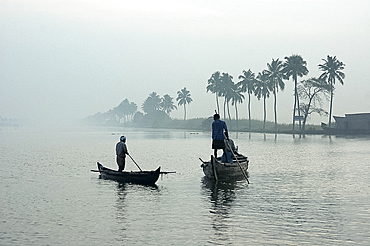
136 177
215 169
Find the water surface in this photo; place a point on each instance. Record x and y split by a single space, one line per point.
312 190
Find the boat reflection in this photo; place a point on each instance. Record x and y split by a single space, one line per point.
222 196
124 207
121 195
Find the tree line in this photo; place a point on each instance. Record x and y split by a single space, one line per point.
9 122
309 94
269 81
156 110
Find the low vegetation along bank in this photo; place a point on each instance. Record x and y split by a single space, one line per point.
204 124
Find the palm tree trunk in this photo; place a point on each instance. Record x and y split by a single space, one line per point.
264 112
228 111
295 104
331 104
249 111
275 108
218 106
224 108
184 112
236 115
299 113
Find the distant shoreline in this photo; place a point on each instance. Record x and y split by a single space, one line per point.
204 124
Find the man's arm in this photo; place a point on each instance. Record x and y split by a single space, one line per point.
125 149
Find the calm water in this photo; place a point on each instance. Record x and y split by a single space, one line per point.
313 190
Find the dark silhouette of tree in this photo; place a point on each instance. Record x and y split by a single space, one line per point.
226 90
262 90
332 71
183 98
167 104
275 76
312 91
214 86
247 84
295 66
132 109
125 110
151 103
236 97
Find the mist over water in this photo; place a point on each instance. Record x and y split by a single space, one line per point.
312 190
62 61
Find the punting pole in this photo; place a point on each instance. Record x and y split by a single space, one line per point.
135 162
214 168
167 172
245 175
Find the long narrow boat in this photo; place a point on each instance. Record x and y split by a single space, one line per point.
136 177
215 169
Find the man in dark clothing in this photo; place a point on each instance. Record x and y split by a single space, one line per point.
218 136
121 151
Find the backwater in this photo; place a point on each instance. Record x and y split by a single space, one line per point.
312 190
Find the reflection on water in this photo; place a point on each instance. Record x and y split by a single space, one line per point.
121 195
313 190
221 196
129 208
121 214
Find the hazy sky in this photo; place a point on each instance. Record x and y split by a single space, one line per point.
66 59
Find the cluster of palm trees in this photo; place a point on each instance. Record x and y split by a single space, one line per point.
271 80
8 122
156 103
125 111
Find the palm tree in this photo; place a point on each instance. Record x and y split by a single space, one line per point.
311 91
183 98
295 66
247 84
236 97
167 104
225 90
331 71
275 76
125 110
121 110
263 90
214 84
151 103
132 109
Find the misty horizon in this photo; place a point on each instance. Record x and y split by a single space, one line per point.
64 61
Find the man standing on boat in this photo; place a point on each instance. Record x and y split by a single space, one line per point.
121 151
218 136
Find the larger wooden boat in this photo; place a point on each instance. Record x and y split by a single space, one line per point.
137 177
217 170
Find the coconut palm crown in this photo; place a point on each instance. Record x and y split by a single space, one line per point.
331 72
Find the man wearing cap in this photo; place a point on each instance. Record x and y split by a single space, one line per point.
121 151
218 135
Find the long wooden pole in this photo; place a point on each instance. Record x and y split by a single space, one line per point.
135 162
214 168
